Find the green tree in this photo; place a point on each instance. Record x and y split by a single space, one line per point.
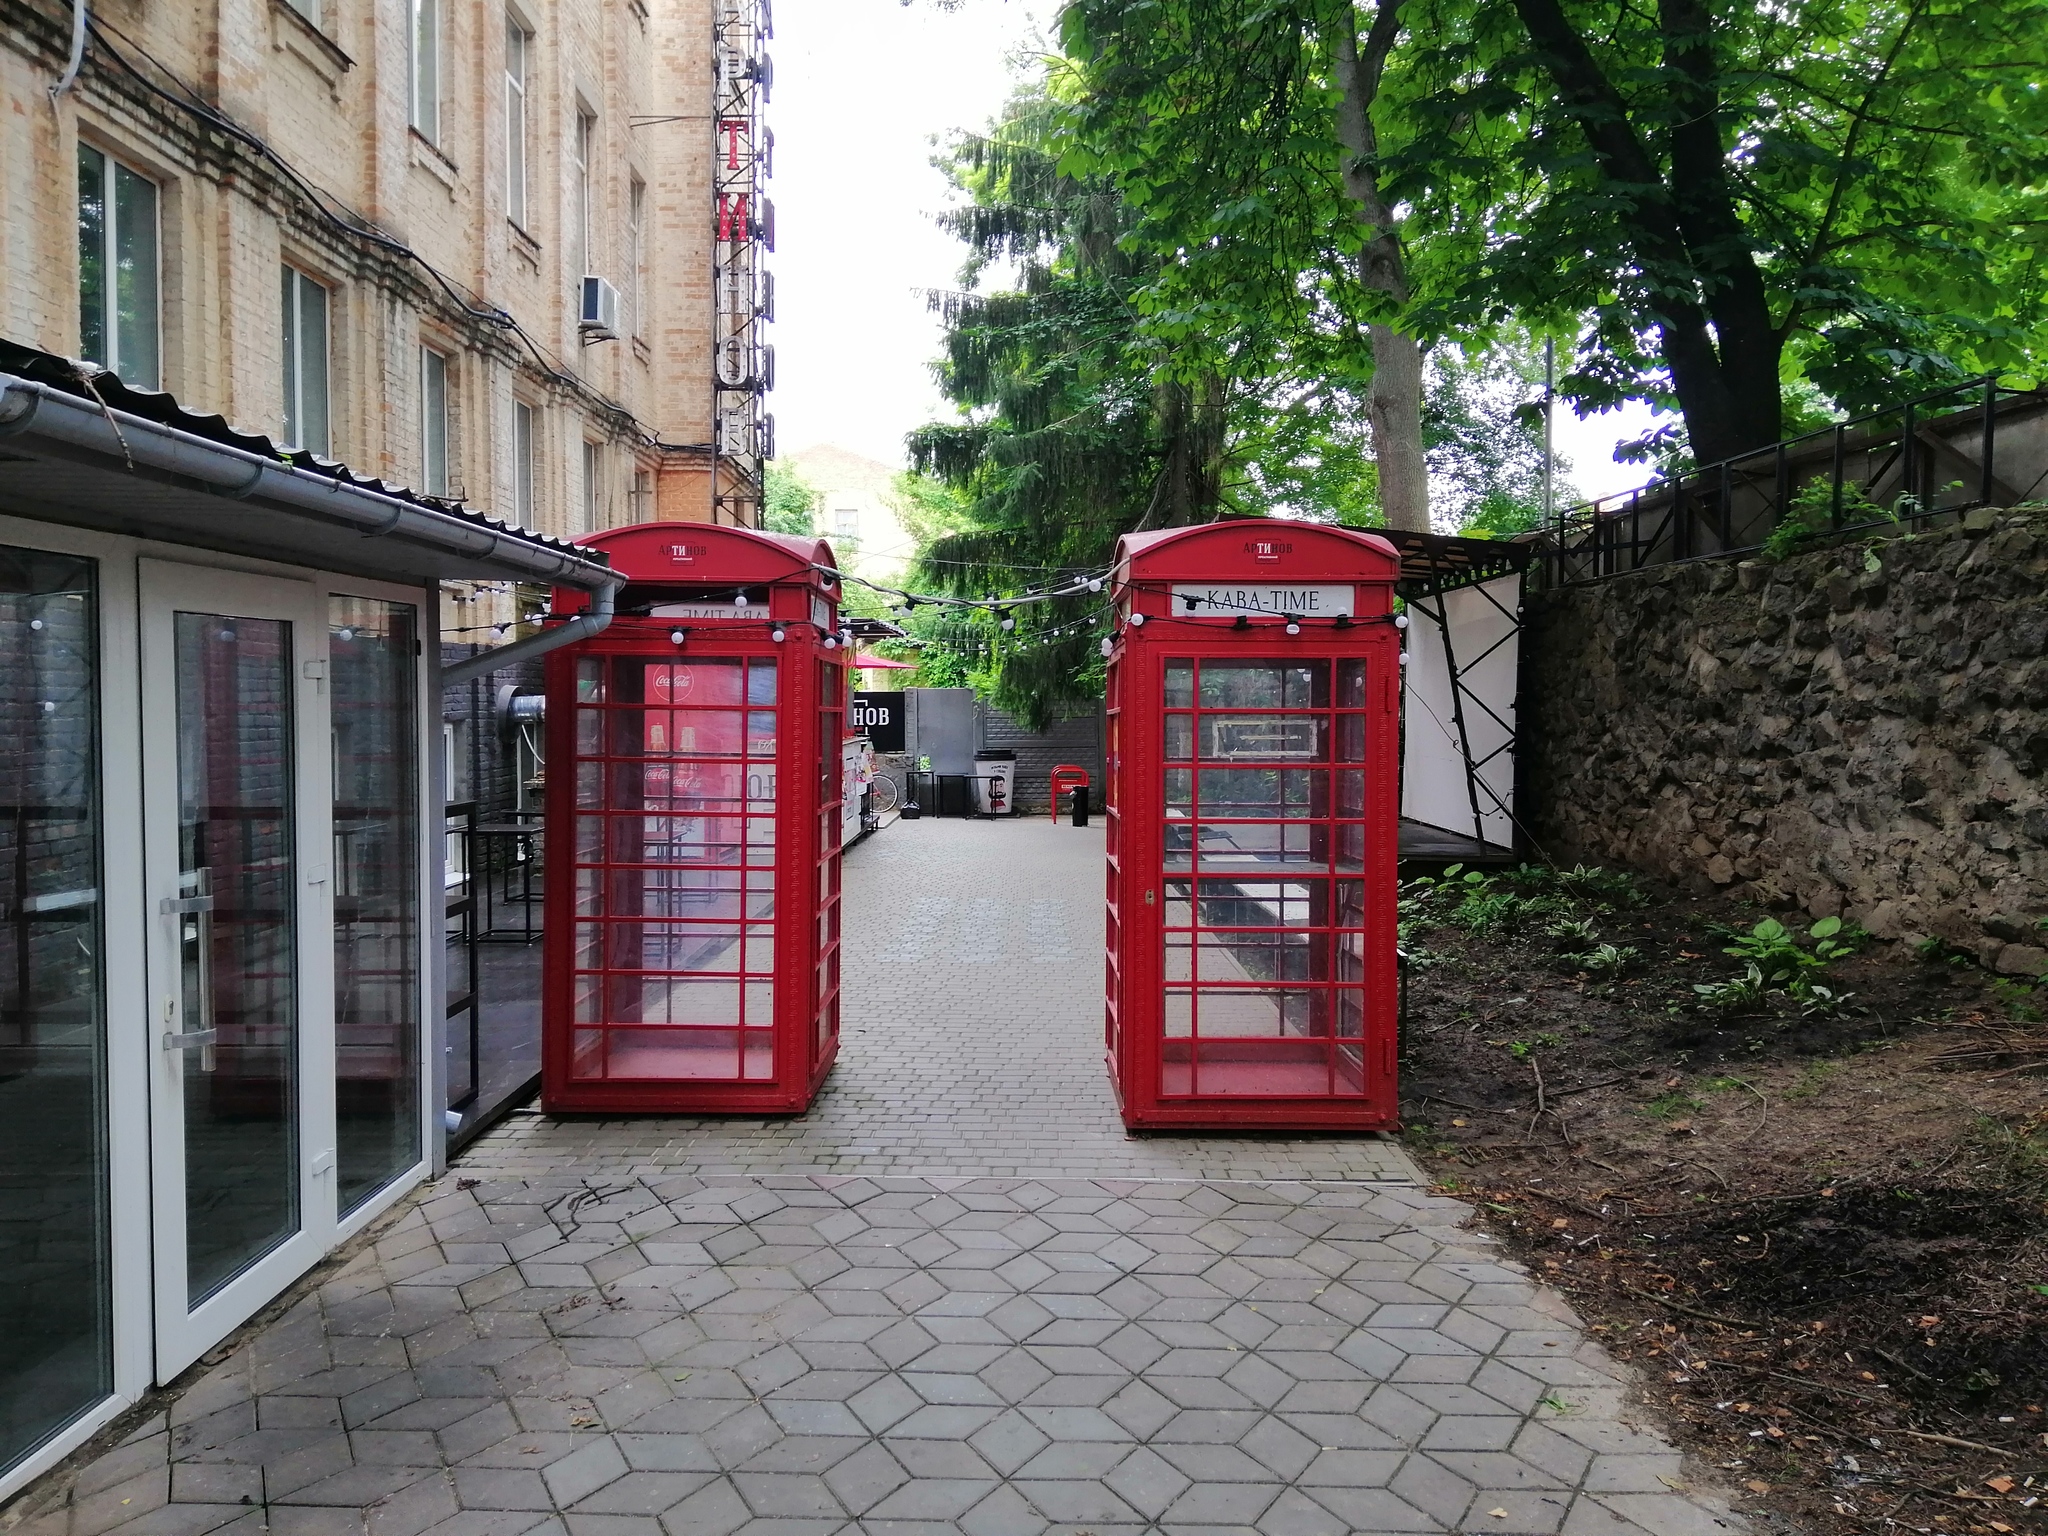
1711 196
1070 430
790 504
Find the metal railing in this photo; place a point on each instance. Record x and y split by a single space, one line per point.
1937 455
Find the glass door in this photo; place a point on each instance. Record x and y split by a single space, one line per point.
237 815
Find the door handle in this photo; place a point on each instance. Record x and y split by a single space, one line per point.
201 1040
195 944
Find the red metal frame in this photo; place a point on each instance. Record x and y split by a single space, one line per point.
691 958
1252 826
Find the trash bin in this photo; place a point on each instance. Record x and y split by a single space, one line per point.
995 777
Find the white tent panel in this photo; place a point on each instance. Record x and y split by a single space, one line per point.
1484 641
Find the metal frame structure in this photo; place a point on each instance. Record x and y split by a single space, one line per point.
1890 460
743 364
1252 828
1434 566
691 941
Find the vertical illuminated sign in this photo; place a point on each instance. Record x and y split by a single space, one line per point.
743 225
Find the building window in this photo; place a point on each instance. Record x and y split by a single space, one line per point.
642 510
426 67
305 364
56 1314
433 422
374 759
518 44
119 319
593 487
846 522
310 9
522 464
636 259
579 190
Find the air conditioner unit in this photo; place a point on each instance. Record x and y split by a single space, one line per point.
600 318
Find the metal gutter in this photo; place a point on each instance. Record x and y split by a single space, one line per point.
30 412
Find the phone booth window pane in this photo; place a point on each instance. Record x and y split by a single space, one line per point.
1351 738
1264 685
1180 738
1351 685
1180 685
590 680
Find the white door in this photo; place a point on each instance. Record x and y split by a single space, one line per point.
236 826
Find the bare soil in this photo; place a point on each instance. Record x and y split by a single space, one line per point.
1823 1238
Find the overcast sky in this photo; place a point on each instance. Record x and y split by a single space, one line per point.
862 88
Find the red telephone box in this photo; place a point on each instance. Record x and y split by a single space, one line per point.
691 962
1252 822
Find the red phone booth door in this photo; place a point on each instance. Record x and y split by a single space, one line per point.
1264 854
675 877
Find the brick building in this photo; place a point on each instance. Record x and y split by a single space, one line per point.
324 325
364 230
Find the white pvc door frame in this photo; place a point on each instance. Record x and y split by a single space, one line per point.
185 1332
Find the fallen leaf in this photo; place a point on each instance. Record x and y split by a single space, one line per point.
1999 1484
1865 1376
2000 1525
1498 1514
1756 1487
1457 1122
1559 1222
1930 1321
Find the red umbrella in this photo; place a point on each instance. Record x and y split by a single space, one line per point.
869 661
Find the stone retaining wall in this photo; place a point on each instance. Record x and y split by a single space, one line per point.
1859 730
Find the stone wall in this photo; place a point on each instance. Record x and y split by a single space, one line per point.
1859 730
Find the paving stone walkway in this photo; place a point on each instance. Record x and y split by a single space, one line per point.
971 1041
583 1331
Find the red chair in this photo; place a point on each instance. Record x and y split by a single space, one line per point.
1065 777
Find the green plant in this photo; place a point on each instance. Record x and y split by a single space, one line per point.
1670 1106
1781 964
1606 959
1577 935
1812 513
1934 950
2020 999
1738 994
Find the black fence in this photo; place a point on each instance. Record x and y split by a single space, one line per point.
1974 445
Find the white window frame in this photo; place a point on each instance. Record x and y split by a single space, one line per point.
525 428
434 422
593 486
424 46
582 151
312 10
518 56
302 368
636 258
143 374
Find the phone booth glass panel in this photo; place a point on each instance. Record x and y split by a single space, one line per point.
687 947
1252 831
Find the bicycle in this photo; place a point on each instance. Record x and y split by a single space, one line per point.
884 796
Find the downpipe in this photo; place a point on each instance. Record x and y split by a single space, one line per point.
592 620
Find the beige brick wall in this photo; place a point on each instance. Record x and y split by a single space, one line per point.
332 101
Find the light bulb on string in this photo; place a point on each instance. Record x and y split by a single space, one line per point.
1293 625
1108 646
1094 583
778 634
1400 621
739 598
677 636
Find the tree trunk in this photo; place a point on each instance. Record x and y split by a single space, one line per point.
1395 409
1395 412
1711 310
